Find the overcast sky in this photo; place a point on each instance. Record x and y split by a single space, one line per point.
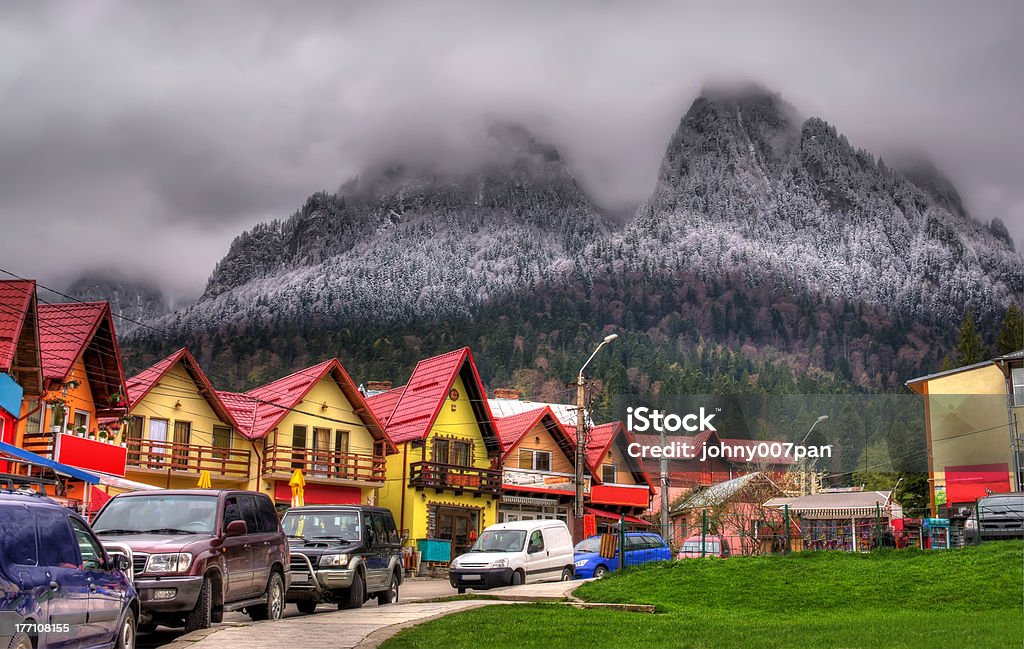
142 137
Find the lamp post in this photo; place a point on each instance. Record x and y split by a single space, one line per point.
581 422
803 461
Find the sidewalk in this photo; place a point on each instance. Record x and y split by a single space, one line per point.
363 628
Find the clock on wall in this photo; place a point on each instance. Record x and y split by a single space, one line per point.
453 394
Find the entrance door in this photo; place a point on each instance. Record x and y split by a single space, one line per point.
182 439
460 526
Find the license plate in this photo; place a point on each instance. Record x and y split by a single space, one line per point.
300 578
471 577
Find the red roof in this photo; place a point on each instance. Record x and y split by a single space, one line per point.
512 430
383 404
140 385
416 408
601 440
261 409
15 301
64 332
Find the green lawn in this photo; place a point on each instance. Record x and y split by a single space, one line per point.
962 598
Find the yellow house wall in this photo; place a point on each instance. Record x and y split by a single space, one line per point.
177 386
622 472
461 424
967 420
559 462
360 440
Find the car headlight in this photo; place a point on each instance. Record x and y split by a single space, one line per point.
500 563
454 563
580 563
169 564
334 560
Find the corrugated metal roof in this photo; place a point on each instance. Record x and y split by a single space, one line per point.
566 413
849 500
721 492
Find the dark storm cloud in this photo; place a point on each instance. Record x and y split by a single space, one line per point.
143 137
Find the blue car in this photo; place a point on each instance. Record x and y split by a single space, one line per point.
641 547
58 586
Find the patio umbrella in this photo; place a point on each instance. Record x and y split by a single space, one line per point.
204 480
297 483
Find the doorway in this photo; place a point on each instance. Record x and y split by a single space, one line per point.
460 526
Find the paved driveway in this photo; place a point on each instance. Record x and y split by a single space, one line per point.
330 627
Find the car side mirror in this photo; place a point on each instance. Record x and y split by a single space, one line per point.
236 528
122 563
533 549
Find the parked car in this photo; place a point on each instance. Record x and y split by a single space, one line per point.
343 555
509 554
58 586
197 553
714 546
641 547
1001 516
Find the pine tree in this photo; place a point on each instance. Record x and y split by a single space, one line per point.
969 349
1011 334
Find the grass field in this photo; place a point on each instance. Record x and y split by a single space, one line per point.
958 599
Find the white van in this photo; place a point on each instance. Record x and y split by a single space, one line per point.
509 554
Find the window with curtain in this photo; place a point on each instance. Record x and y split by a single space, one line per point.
221 441
608 473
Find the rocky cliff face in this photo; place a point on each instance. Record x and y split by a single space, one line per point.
129 301
750 197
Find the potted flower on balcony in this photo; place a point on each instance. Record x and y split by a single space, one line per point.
59 409
103 435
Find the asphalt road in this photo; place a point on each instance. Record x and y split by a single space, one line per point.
411 591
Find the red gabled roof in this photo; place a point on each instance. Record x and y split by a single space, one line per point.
383 404
64 332
261 409
421 399
15 301
601 440
514 428
142 383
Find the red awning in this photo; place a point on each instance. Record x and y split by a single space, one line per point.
600 513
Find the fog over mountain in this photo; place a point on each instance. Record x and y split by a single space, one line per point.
151 135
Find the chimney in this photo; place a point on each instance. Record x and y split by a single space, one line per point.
378 386
506 393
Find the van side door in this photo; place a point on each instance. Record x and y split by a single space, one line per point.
536 557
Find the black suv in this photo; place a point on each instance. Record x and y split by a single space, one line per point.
200 552
342 554
58 585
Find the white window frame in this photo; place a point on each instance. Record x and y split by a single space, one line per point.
615 473
533 459
81 412
1017 383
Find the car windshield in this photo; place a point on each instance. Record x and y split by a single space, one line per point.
322 525
500 541
593 544
158 513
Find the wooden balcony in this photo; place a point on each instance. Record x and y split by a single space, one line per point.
324 465
454 478
149 455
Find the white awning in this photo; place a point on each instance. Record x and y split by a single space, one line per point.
122 483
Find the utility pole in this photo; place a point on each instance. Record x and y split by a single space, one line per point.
581 443
664 489
581 428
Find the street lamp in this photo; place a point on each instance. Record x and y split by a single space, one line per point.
581 421
803 460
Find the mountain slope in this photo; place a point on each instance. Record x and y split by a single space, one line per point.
764 233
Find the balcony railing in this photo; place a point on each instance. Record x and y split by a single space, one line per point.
334 465
454 477
167 456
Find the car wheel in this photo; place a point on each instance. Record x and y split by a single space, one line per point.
20 641
566 574
307 606
199 616
462 591
600 572
517 578
274 608
126 636
356 594
389 596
